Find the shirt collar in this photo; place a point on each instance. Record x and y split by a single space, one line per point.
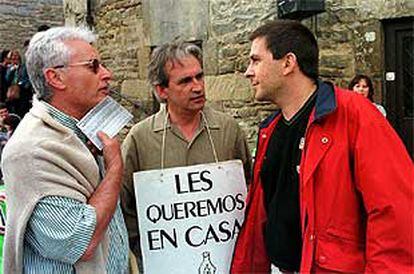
65 120
325 100
325 103
212 120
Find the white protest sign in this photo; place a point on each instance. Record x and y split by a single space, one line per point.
189 217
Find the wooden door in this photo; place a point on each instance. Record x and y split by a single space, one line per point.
399 77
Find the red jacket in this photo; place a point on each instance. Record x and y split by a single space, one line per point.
356 193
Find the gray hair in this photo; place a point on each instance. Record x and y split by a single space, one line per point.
170 52
47 49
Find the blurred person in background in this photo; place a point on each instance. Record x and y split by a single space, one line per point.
4 63
362 84
4 114
19 89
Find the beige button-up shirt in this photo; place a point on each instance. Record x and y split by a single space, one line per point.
141 150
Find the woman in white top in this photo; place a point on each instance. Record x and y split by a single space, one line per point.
362 84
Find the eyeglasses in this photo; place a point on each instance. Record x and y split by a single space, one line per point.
92 64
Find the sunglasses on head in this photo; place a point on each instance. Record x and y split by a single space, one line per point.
92 64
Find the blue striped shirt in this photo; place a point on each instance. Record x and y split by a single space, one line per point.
60 228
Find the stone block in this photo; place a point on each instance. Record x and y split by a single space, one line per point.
221 28
217 105
226 66
171 19
210 58
137 89
339 58
21 18
228 87
229 52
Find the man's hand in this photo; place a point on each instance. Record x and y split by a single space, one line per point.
105 197
111 152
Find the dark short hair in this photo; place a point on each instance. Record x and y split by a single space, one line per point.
12 120
360 77
43 28
284 36
4 54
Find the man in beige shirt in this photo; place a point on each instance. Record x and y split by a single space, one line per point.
176 73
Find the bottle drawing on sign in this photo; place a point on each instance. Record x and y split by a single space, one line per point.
206 266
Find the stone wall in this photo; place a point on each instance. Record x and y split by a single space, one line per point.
21 18
75 12
226 58
351 41
125 42
349 34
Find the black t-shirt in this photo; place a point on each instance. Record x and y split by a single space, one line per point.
280 180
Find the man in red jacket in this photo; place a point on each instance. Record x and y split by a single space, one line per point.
332 188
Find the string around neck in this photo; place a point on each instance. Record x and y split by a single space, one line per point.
164 138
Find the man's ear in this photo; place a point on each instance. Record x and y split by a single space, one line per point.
162 92
290 63
54 78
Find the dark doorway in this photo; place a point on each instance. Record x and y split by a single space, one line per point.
399 77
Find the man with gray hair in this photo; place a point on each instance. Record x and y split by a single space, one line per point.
176 73
63 214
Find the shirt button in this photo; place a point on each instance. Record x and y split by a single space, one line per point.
322 259
312 237
264 136
324 140
298 169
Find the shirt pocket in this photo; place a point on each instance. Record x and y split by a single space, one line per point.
339 251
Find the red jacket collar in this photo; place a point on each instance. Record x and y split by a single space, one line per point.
325 104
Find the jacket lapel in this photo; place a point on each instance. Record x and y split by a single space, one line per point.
319 141
320 144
